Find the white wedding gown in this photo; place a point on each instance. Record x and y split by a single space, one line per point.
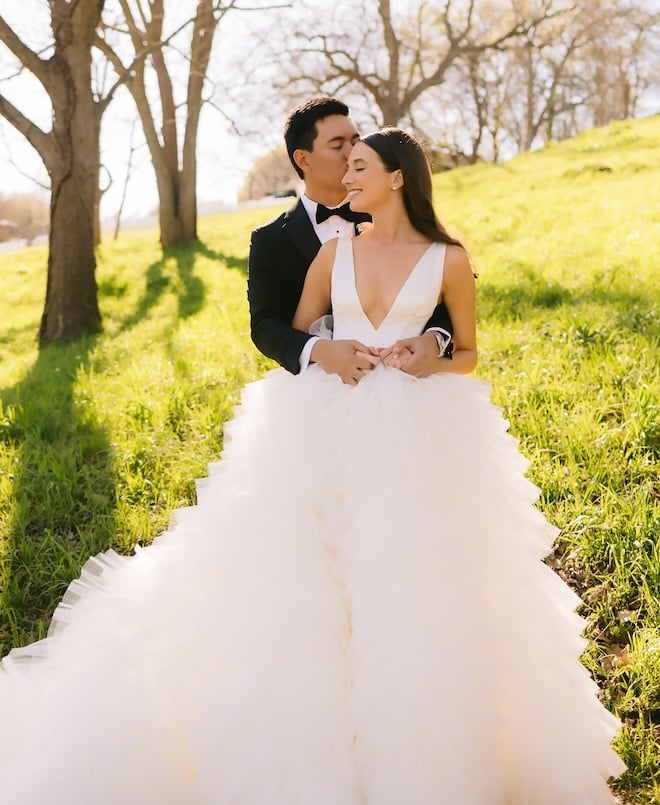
355 613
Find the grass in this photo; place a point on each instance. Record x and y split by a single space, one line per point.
101 439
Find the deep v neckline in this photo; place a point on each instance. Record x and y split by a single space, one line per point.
398 293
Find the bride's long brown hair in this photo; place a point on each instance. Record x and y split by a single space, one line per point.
399 150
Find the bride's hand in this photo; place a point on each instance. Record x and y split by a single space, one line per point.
349 359
372 356
393 357
417 356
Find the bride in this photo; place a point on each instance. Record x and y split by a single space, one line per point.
356 612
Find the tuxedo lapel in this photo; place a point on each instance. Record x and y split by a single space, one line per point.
301 232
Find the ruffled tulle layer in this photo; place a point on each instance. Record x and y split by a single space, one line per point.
355 613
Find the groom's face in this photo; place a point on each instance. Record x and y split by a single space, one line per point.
325 164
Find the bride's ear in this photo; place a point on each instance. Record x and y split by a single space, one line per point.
397 180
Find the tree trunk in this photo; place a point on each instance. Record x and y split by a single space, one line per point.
169 208
71 308
71 154
176 178
202 42
98 195
178 196
188 200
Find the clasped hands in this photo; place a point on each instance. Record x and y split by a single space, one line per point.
352 360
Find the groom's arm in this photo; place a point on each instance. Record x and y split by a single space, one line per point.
273 296
272 304
440 322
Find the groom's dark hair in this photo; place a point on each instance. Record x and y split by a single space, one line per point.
300 127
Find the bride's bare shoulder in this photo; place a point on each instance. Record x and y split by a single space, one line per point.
457 262
329 247
322 263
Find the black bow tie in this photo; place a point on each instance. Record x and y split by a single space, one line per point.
345 211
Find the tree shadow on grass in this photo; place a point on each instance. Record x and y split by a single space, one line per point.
58 505
173 273
228 260
631 310
58 493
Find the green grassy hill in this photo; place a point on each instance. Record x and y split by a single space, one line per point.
100 439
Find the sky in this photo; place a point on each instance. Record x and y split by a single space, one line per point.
223 158
223 165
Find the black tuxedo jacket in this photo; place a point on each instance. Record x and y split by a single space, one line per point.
281 251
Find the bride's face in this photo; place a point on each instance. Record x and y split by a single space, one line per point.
368 183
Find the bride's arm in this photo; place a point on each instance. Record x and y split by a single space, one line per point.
458 292
459 295
349 359
315 298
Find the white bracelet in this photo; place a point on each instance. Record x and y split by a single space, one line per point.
441 343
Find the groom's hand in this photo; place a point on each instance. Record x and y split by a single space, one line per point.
351 360
416 356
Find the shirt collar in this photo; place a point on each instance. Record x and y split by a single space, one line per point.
310 206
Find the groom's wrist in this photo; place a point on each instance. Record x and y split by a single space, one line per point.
444 343
306 354
318 349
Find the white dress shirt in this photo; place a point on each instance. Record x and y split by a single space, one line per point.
333 227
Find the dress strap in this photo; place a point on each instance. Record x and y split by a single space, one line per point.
342 267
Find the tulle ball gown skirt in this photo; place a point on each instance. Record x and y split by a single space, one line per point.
355 613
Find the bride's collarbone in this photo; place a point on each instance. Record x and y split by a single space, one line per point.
385 265
396 256
380 282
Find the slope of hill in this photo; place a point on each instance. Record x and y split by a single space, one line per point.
100 439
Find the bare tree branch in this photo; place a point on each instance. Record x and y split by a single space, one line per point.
30 60
40 140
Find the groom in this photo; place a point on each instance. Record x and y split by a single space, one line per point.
319 136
